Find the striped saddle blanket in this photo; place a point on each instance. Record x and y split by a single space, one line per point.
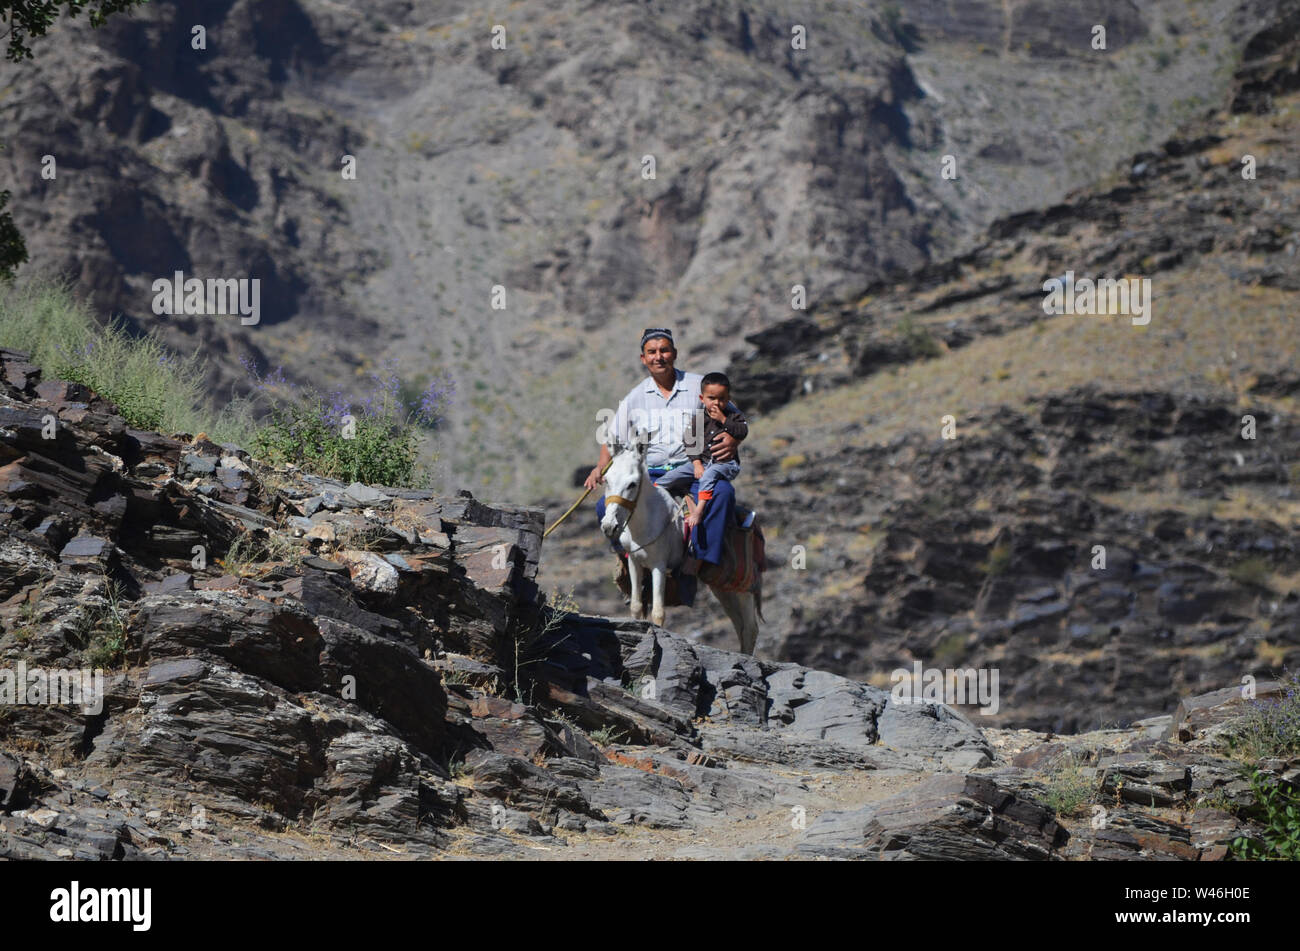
744 557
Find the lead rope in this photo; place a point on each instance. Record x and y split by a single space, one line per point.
582 498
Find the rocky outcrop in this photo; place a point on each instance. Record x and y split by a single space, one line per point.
352 667
300 654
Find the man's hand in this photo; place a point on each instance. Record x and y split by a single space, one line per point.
724 447
597 475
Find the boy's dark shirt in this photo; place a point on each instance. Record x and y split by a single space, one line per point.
735 424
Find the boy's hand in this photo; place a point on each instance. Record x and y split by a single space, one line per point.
715 411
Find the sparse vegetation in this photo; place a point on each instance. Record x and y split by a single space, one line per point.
366 536
1271 727
920 343
374 439
1254 571
607 735
152 387
1070 786
903 33
26 627
1281 821
532 646
250 554
100 629
950 649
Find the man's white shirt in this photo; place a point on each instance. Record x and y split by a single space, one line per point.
665 419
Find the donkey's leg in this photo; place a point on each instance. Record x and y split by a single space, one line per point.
749 627
739 606
730 604
658 581
634 580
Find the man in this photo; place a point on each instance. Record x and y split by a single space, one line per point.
663 404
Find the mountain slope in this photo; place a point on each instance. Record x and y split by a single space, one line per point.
1070 432
522 167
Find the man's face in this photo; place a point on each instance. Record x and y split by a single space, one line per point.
714 394
658 355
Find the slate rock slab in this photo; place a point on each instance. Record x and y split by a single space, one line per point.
947 817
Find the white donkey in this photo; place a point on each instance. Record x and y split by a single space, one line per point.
647 522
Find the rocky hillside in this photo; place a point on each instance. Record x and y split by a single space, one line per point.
1172 445
522 167
302 669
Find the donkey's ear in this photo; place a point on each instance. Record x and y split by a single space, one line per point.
640 440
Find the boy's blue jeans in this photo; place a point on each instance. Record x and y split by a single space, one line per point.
714 472
714 486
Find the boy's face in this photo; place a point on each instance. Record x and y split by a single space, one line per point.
714 395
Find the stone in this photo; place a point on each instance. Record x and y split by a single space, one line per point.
935 730
365 495
18 786
171 584
947 817
85 546
193 465
1195 716
370 572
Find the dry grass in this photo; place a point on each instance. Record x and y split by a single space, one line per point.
1206 333
1243 503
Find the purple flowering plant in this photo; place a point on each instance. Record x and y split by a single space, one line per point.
372 436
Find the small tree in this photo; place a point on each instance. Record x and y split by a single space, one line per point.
13 250
29 19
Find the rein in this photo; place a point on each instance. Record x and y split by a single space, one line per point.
630 505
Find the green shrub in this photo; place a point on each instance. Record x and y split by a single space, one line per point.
13 250
1070 786
607 735
920 342
100 630
1254 571
1281 809
374 440
155 389
905 34
1269 728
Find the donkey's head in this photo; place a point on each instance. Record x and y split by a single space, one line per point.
623 483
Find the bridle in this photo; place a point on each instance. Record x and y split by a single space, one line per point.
630 505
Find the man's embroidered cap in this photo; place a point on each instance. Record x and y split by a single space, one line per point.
651 332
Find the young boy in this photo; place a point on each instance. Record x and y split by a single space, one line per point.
720 415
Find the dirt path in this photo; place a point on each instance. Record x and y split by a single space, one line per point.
762 832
